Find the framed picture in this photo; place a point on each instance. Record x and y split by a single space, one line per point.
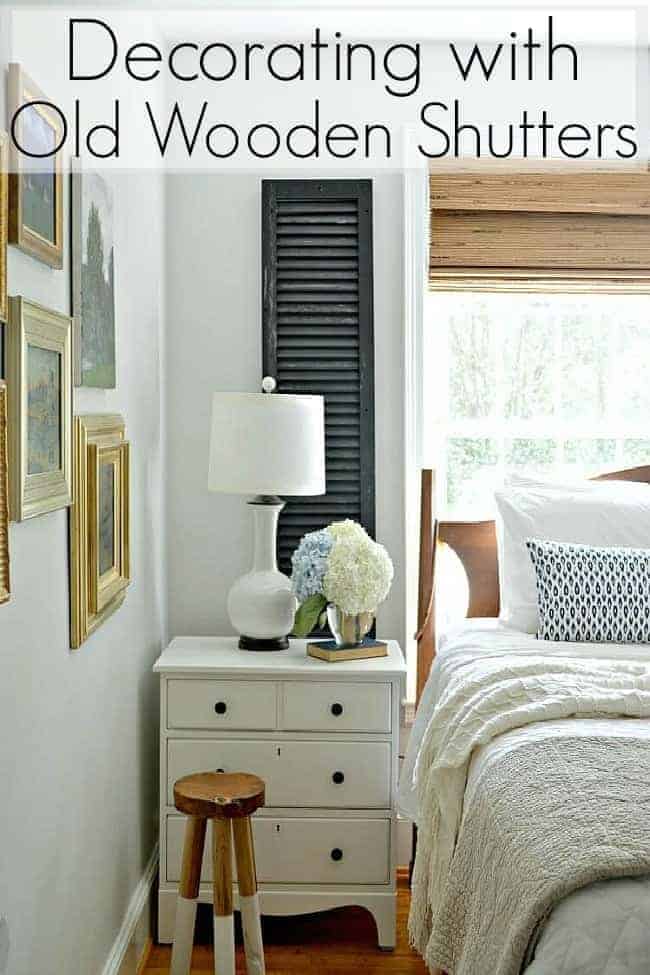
39 382
5 588
99 523
35 181
92 284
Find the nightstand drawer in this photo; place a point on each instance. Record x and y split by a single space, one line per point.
222 704
304 851
334 774
334 706
187 755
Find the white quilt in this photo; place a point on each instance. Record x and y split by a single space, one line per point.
489 687
603 929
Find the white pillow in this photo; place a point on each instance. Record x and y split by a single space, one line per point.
606 513
578 486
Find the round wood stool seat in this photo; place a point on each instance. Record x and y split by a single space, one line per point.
219 795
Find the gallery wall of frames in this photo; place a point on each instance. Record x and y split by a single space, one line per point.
49 458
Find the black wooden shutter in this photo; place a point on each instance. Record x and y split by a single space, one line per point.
317 326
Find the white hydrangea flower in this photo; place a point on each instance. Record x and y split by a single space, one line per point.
359 571
348 530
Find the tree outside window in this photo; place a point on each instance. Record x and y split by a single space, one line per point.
537 383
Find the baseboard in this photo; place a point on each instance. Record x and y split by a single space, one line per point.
144 955
124 958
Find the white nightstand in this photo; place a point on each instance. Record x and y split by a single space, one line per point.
324 737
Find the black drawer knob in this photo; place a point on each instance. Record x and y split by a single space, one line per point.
338 778
219 770
220 707
336 854
337 709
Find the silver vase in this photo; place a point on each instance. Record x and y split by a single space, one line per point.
347 629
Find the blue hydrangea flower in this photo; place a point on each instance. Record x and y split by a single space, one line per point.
309 563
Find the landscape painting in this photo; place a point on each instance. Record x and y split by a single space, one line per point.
35 174
39 391
43 410
94 293
39 183
106 518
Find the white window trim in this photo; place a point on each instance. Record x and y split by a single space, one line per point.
415 233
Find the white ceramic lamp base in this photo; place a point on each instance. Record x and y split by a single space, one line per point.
261 604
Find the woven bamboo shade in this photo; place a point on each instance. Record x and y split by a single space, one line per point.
584 225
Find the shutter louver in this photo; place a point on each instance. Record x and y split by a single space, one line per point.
317 332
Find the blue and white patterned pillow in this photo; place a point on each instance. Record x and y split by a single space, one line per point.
591 595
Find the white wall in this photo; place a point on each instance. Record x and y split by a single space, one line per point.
79 730
215 343
214 323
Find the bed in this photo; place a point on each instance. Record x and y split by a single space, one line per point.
528 775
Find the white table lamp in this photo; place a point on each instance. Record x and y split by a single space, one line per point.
266 444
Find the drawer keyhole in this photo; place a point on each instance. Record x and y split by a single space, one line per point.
338 778
337 709
336 854
220 707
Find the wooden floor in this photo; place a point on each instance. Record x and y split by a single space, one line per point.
341 942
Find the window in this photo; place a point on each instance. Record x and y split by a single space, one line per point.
529 355
551 383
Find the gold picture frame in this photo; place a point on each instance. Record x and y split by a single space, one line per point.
39 381
35 183
99 523
4 223
5 588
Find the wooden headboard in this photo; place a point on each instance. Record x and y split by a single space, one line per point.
475 544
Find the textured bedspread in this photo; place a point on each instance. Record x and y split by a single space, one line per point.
604 927
483 684
518 852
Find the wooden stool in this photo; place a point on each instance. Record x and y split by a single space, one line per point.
223 798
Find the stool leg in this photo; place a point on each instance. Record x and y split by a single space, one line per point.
188 892
224 934
249 903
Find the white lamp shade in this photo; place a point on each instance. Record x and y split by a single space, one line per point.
267 443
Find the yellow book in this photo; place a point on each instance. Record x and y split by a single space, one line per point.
328 650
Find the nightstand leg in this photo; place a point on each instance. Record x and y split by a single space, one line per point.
224 934
385 914
188 892
249 903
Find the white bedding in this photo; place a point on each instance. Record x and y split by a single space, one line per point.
488 636
623 944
